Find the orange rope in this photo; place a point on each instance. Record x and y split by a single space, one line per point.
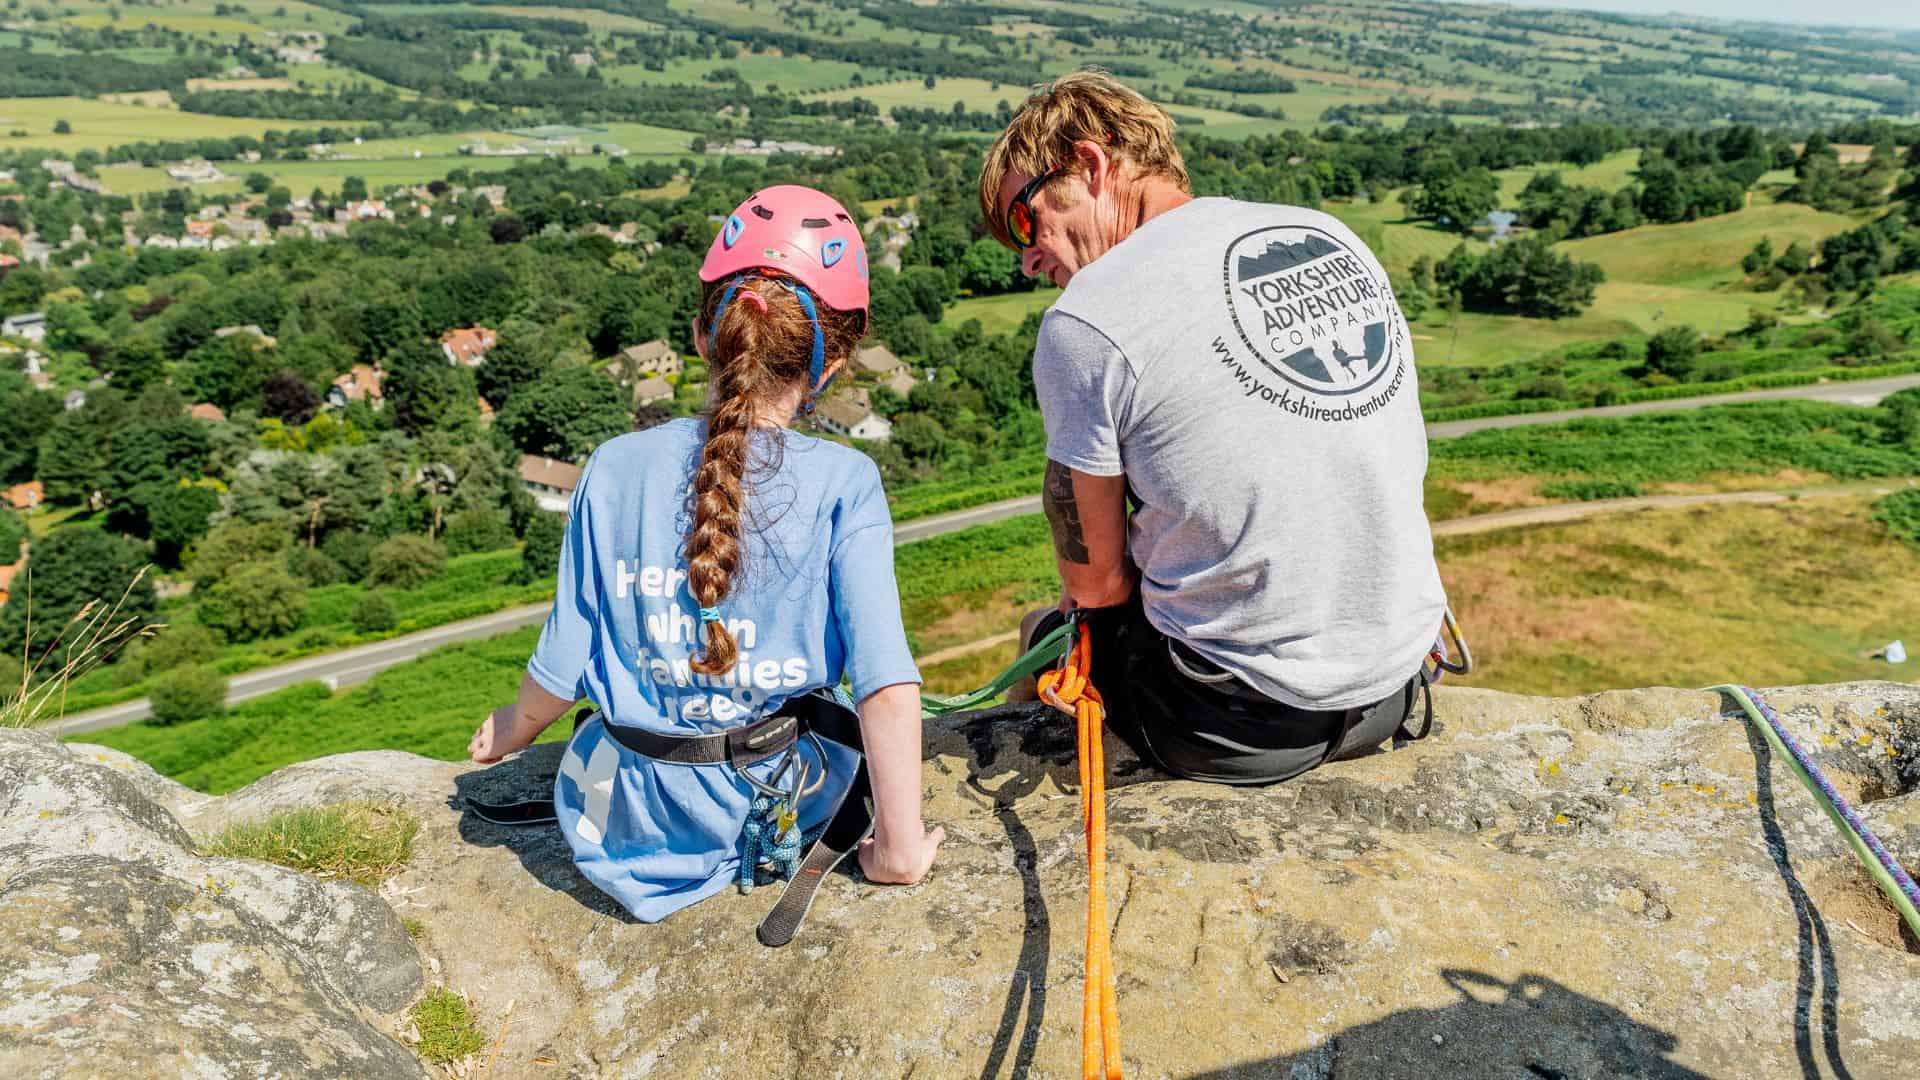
1071 690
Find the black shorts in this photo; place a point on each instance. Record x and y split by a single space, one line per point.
1203 723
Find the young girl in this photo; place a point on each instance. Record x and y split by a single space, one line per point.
712 569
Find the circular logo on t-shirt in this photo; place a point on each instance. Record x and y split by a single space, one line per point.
1310 308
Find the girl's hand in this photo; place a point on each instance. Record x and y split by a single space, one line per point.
900 863
500 734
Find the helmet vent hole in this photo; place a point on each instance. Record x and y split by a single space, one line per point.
816 223
844 218
763 213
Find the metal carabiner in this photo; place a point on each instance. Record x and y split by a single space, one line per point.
1441 662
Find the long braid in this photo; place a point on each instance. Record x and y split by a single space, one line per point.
761 347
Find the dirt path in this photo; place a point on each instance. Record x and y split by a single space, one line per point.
1537 515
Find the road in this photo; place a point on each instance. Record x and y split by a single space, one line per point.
356 665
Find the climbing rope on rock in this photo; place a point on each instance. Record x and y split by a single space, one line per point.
1070 689
1886 871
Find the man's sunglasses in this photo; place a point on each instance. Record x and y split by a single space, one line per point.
1020 222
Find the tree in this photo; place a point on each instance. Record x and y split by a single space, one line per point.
13 536
1674 352
72 567
353 551
988 269
286 397
25 415
506 229
374 613
406 561
1759 258
476 530
1523 275
72 462
523 352
61 127
353 189
186 694
424 393
255 600
234 543
540 558
177 515
566 414
1458 200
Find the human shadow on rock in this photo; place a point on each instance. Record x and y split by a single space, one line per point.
1532 1028
542 851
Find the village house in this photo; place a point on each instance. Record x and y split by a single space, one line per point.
360 384
195 172
550 482
651 391
654 357
843 415
363 210
202 228
26 496
209 412
580 59
7 574
875 360
8 262
900 382
468 346
31 326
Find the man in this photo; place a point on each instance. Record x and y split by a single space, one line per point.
1235 446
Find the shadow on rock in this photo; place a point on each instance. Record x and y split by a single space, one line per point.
539 847
1813 945
1531 1027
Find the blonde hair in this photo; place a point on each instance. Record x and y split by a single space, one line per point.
759 349
1088 106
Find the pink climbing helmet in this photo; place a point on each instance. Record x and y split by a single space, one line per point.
795 232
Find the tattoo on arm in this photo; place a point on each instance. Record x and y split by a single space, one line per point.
1069 539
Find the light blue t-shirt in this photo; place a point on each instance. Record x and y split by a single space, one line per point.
814 599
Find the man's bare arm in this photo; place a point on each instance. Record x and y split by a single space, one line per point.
1089 519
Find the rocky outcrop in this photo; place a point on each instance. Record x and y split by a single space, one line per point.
124 953
1622 884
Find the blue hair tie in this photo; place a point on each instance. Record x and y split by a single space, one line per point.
709 614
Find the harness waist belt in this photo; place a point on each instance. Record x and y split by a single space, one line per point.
740 747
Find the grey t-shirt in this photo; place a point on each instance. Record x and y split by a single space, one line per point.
1247 368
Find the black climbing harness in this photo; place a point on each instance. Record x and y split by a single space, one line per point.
812 716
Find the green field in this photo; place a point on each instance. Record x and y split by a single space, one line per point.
792 74
184 15
1000 314
98 125
1707 252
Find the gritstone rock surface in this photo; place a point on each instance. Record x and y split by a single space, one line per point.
1593 887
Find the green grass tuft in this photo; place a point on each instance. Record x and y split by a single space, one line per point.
359 842
447 1028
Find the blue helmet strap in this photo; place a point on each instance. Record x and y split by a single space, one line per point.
817 363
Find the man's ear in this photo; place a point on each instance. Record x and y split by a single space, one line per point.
699 340
1091 160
